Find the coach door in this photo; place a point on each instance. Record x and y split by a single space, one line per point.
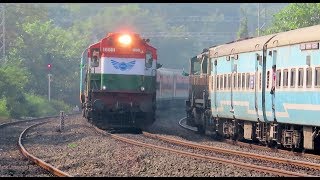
232 83
258 85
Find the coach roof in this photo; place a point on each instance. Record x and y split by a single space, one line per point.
240 46
301 35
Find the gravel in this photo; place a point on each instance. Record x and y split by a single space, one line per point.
80 151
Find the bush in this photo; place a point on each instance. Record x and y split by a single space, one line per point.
3 109
40 106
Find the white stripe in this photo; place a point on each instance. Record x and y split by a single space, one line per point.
123 66
306 107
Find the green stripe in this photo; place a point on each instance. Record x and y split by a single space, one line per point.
120 82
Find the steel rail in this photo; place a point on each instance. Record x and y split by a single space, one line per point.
243 144
36 160
234 152
215 159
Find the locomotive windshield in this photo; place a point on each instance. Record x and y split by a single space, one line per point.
195 66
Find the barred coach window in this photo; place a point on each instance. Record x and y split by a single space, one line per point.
309 77
300 77
292 77
317 77
285 78
278 78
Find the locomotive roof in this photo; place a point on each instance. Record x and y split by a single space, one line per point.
301 35
245 45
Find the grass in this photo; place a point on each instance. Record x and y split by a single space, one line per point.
3 120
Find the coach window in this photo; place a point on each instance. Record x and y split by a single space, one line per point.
148 59
292 78
300 77
239 80
278 78
243 80
224 81
260 79
217 82
309 77
285 78
221 82
234 80
229 81
317 77
247 80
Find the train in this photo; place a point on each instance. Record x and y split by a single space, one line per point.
123 82
264 89
120 82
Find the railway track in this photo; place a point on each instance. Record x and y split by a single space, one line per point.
203 156
13 163
249 145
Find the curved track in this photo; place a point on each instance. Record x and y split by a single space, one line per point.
12 162
36 160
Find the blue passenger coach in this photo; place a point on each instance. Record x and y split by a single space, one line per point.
268 89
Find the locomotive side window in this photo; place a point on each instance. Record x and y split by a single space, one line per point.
247 80
293 78
204 64
95 58
195 66
317 77
148 59
300 77
243 80
278 78
309 77
285 78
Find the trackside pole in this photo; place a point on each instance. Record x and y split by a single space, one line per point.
61 120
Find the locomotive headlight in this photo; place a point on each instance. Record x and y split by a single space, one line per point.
125 39
142 88
104 87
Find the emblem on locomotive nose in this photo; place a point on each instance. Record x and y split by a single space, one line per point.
122 65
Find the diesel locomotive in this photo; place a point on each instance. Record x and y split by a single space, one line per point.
119 85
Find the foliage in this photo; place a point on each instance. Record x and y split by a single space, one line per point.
295 15
38 34
19 13
40 107
3 109
243 30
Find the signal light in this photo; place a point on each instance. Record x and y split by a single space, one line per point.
49 66
125 39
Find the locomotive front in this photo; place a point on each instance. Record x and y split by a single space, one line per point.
121 82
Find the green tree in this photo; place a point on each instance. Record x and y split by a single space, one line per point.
18 13
293 16
243 30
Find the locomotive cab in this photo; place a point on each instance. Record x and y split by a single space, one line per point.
198 101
